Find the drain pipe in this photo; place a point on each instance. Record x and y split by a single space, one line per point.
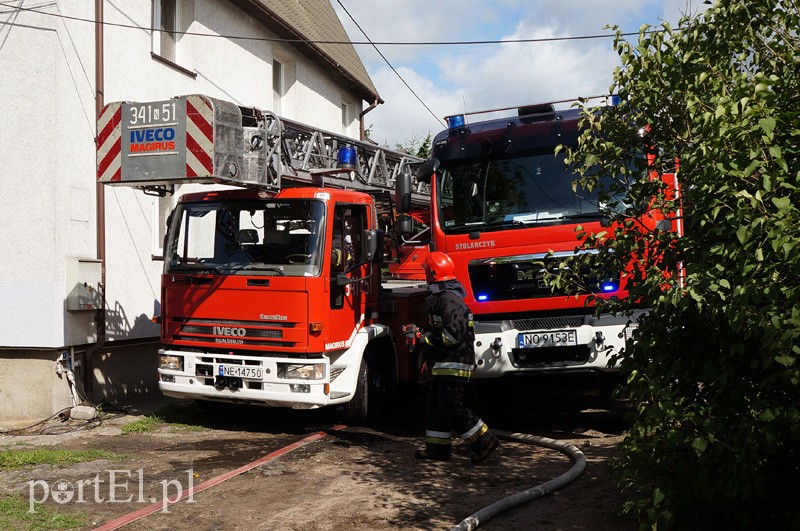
361 129
487 513
100 203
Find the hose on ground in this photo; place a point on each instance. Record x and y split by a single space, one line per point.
489 512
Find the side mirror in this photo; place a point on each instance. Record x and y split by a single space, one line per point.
369 245
427 169
402 192
404 224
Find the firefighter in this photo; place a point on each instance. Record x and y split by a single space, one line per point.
449 357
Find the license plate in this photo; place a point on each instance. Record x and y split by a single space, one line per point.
241 371
548 338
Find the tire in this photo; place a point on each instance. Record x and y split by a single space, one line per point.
487 399
376 389
356 411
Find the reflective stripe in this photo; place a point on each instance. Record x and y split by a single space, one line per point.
452 368
440 442
452 372
438 434
476 432
452 365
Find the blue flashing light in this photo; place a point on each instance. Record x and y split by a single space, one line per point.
346 157
615 99
455 121
482 297
609 286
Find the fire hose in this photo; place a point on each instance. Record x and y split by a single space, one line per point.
471 522
489 512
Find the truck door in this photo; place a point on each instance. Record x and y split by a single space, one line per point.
348 302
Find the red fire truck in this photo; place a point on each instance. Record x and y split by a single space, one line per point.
504 209
271 293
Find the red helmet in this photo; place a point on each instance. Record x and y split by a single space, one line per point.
439 267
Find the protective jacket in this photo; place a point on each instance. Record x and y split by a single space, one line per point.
448 339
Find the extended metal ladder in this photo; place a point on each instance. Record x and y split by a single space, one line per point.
196 138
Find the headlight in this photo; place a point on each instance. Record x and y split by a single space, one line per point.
172 363
311 371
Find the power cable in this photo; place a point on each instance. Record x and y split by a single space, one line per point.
314 41
390 64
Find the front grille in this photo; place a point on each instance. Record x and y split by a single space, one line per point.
549 323
209 330
548 356
232 322
519 279
231 333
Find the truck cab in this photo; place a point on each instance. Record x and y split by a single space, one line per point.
505 208
266 298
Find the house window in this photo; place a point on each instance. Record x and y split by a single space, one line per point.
345 117
165 24
277 86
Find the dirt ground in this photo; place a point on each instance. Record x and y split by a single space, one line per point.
349 479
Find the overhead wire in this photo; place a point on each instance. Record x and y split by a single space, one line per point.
370 42
390 64
319 41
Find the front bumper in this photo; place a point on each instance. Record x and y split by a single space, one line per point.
597 339
200 378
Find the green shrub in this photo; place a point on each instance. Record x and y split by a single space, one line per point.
713 375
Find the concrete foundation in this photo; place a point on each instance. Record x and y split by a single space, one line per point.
34 383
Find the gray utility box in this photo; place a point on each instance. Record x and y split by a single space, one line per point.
83 276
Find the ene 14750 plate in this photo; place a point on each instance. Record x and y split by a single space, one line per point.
241 371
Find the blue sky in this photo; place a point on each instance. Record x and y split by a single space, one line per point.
449 79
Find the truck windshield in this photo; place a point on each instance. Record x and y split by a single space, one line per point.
512 191
268 237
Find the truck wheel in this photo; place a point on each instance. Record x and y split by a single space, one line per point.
356 411
374 391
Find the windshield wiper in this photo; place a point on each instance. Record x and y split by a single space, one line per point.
203 269
256 267
502 223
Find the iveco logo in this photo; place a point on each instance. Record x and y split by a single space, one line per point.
228 331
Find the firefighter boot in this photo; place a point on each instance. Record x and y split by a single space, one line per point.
434 451
481 448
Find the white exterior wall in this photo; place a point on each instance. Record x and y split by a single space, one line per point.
48 152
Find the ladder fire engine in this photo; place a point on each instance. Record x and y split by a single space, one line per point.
271 293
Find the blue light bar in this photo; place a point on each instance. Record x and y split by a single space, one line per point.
455 121
482 297
346 157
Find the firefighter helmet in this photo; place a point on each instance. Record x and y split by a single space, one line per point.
439 267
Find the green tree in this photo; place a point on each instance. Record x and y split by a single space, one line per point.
417 146
713 373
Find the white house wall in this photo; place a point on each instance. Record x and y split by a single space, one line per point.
47 146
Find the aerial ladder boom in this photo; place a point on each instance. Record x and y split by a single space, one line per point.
196 138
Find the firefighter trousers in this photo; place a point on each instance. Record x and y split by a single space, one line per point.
447 414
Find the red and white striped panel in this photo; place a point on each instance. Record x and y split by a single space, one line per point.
199 137
109 143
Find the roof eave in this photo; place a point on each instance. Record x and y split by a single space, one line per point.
261 12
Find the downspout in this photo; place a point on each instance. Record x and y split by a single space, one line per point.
374 104
100 207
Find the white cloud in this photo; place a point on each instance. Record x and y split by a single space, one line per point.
448 78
